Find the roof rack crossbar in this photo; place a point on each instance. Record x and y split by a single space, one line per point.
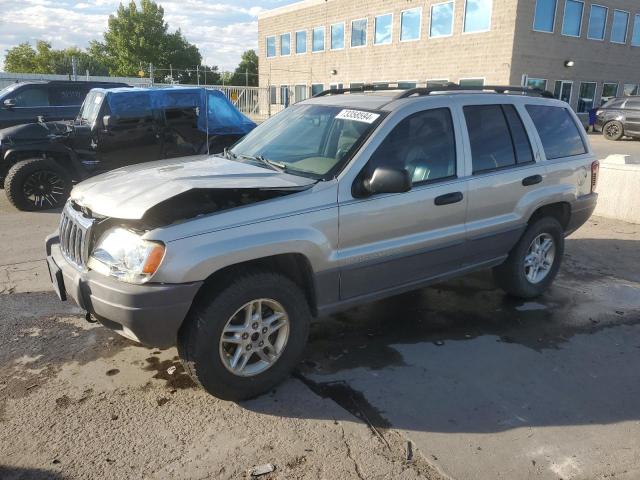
449 87
452 87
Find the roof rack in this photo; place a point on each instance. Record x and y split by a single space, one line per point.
452 87
449 87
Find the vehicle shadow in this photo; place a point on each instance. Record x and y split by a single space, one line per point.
463 357
15 473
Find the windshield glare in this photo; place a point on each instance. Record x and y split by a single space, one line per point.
309 140
91 107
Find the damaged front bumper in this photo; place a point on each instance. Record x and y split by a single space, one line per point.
150 314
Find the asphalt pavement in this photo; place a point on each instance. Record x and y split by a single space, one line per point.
453 381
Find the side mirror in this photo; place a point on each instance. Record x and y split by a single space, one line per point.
387 180
109 121
9 103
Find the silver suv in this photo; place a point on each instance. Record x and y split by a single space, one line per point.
338 200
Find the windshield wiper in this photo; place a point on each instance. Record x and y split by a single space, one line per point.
273 165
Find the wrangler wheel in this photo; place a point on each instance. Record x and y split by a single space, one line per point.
37 184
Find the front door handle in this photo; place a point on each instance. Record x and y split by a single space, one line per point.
449 198
532 180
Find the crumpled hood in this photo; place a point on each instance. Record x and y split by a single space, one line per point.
128 192
34 131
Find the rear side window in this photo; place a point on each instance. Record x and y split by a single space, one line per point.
558 131
66 96
497 136
615 103
635 104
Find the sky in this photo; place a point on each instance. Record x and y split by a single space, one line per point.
222 29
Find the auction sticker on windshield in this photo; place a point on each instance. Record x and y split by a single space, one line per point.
357 116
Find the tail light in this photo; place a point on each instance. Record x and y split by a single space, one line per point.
595 171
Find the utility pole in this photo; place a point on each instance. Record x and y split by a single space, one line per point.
87 74
74 68
151 73
246 77
171 73
198 73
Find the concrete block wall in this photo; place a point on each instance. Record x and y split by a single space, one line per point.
619 189
462 55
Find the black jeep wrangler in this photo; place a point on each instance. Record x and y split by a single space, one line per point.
40 162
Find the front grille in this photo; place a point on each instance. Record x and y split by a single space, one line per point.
75 235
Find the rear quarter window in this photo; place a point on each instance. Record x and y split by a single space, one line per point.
558 131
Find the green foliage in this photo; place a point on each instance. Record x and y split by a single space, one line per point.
248 64
24 58
138 36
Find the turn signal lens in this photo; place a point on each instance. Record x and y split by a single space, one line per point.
153 260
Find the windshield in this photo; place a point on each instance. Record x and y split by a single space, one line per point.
309 140
8 89
91 107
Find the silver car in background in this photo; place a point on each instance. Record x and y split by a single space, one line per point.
338 200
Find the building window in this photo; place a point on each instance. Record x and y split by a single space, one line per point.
356 85
336 86
545 16
477 16
597 22
383 30
437 83
630 89
471 82
337 36
317 44
587 97
441 20
272 95
572 21
609 91
359 33
410 24
407 85
380 85
300 93
271 47
538 83
284 95
301 42
635 39
620 26
316 88
562 90
285 44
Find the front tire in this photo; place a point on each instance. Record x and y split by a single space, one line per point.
37 184
613 130
246 335
534 262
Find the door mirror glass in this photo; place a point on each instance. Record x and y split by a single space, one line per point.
109 121
387 180
9 103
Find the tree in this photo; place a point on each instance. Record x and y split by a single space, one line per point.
44 59
248 65
137 37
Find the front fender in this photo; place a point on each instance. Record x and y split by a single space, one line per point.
313 235
53 150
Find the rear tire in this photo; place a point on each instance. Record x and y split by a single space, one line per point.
217 327
529 270
613 130
37 184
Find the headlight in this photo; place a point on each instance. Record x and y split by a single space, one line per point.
123 254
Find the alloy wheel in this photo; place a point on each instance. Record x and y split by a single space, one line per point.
254 337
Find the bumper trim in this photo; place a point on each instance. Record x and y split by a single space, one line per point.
153 313
581 210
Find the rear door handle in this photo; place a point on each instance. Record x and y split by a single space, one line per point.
449 198
532 180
